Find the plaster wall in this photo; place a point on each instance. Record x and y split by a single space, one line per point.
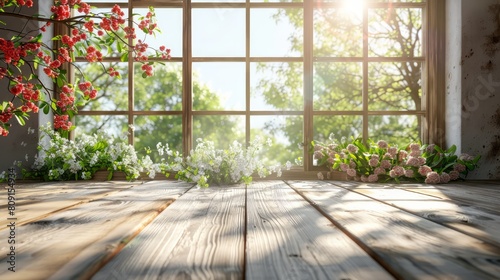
22 142
480 84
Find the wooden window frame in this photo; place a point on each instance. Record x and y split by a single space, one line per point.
433 88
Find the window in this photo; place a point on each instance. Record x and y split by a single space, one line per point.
294 71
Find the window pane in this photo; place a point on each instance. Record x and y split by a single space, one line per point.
163 91
222 130
218 32
286 133
271 31
338 127
149 130
275 1
115 126
219 86
277 86
395 32
338 32
113 92
395 86
397 130
170 23
338 86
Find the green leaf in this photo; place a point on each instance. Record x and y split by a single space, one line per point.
124 57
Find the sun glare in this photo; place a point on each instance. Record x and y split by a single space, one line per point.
353 5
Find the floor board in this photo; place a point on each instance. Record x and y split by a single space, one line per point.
411 245
289 239
271 229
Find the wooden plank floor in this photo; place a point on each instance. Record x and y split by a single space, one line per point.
268 230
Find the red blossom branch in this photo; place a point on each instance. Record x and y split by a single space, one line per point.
84 38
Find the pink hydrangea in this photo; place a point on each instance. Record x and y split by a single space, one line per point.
415 153
352 149
382 144
386 164
465 156
454 175
393 151
318 155
379 171
373 162
351 172
373 178
432 178
364 179
397 171
444 178
414 147
403 155
424 170
344 167
415 161
409 173
459 167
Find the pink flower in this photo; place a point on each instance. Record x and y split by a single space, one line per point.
414 161
409 173
382 144
364 179
459 167
318 155
415 153
393 151
414 147
386 164
444 178
379 171
351 172
373 162
344 167
454 175
433 178
373 178
397 171
403 155
352 149
424 170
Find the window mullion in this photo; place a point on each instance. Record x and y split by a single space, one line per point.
365 73
308 83
187 84
130 75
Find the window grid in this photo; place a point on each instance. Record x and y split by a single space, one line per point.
308 59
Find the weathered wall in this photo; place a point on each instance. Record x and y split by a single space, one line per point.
480 82
22 140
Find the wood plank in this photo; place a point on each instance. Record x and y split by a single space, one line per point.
481 195
464 217
200 236
78 240
37 201
288 239
414 247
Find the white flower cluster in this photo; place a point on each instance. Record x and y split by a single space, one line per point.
206 164
64 159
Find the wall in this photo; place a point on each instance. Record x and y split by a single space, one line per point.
481 84
22 141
